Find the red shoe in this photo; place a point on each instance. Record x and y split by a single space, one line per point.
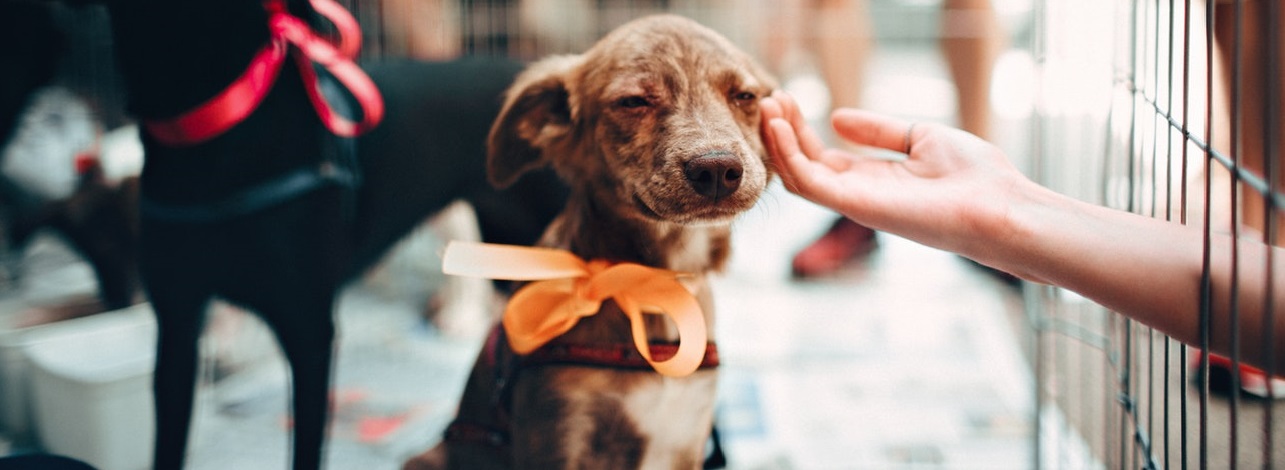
1253 380
843 242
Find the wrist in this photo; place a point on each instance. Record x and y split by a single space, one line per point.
1020 234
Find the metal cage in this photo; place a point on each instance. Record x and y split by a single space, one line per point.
1189 132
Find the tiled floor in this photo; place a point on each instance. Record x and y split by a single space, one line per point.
905 360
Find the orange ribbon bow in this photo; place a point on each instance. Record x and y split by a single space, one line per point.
568 288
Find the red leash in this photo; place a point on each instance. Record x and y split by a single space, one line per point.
236 102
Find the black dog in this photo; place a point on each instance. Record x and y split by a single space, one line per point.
217 221
99 220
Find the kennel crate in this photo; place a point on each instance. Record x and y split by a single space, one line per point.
1163 134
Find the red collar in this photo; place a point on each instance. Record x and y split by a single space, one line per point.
615 356
506 365
624 356
236 102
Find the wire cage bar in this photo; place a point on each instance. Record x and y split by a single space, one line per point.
1190 134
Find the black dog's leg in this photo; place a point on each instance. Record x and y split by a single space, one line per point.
179 295
298 249
309 349
179 323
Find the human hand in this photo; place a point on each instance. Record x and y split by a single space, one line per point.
954 191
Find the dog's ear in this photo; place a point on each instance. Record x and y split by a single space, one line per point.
536 115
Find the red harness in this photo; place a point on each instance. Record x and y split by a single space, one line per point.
236 102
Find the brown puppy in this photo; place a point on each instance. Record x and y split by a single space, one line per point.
656 131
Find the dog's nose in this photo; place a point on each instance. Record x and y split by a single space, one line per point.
715 174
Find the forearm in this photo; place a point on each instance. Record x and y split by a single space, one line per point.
1251 299
1144 268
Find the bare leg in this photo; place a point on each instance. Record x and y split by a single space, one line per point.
1253 115
971 38
838 32
785 33
1256 116
421 29
843 41
841 35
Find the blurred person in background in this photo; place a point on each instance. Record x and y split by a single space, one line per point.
1242 85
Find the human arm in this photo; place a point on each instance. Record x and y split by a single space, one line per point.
959 193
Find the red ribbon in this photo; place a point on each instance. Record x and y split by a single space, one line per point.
236 102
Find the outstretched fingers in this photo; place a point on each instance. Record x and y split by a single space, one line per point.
876 130
769 110
781 106
809 141
810 176
783 146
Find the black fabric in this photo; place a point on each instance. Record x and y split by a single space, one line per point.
42 462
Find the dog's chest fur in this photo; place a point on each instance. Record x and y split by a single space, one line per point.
613 420
622 419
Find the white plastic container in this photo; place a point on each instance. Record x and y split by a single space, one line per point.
91 389
15 384
16 410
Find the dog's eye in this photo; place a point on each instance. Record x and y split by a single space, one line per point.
631 102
